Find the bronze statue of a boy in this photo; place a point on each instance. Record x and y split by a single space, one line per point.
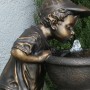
25 69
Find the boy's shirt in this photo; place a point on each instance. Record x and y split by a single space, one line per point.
19 74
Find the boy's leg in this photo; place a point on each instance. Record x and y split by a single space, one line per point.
36 76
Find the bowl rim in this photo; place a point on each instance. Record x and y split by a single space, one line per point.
69 61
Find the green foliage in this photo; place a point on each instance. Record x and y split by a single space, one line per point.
49 83
59 45
82 2
82 28
36 17
38 2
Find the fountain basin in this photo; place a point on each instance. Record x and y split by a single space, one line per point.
71 72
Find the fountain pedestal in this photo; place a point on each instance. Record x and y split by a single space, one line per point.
71 72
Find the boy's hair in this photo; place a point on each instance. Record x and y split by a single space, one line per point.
61 9
58 15
52 7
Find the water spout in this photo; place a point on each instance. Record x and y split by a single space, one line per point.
76 46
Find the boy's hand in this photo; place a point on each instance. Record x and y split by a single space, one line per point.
44 55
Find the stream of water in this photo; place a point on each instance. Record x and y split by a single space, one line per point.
76 47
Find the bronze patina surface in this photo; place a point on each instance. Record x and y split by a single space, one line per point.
25 69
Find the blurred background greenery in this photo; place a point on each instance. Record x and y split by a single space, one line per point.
82 30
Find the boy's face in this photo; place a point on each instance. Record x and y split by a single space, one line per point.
64 29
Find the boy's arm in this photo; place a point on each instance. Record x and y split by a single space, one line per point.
20 55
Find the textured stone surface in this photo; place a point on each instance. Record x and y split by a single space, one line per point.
15 17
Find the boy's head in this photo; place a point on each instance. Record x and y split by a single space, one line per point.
61 24
63 28
61 16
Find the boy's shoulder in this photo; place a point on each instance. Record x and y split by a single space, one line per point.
31 31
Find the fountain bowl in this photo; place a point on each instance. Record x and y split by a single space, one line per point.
70 72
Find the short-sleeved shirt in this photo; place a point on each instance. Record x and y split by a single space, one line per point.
18 75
